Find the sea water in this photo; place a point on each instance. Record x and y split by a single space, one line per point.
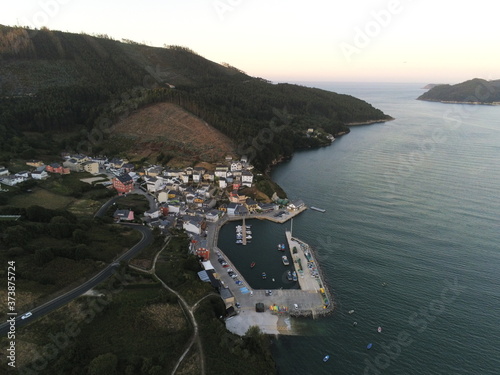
409 240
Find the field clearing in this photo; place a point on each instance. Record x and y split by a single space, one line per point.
41 197
168 128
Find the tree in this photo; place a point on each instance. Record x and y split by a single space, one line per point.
60 227
104 364
80 237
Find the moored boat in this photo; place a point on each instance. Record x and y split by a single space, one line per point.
326 358
285 261
294 276
264 275
289 276
252 265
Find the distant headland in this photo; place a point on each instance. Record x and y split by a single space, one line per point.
474 91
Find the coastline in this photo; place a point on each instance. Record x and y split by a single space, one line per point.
369 122
313 299
459 102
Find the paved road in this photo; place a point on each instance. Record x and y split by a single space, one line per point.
38 312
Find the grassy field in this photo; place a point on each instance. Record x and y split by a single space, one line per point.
137 321
41 197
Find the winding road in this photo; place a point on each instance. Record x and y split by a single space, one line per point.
46 308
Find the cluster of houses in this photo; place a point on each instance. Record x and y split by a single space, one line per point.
187 198
12 179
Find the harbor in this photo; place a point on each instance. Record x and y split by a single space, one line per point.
291 288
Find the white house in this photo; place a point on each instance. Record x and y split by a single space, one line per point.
296 204
196 176
236 166
152 183
221 171
222 183
185 178
246 178
153 213
12 180
192 225
212 216
4 171
39 175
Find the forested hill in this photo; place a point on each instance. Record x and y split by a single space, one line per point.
474 91
53 81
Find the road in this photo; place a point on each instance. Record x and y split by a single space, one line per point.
46 308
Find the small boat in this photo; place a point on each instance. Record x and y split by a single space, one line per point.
351 311
239 241
264 275
285 261
355 324
326 358
252 265
289 276
294 276
369 346
379 329
317 209
248 237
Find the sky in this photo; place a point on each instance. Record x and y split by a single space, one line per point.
425 41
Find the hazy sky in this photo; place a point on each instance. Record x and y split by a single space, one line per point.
292 40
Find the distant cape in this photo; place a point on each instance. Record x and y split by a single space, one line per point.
474 91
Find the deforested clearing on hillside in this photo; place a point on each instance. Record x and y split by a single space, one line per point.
169 129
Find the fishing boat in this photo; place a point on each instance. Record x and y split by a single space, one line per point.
281 247
317 209
248 237
294 276
252 265
289 275
326 358
379 329
264 275
285 261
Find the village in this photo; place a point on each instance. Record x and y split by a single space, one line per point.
199 201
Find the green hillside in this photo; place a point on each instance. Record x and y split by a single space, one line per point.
52 81
473 91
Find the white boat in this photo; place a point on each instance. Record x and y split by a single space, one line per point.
285 261
351 311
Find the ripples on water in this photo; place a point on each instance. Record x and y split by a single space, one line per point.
417 210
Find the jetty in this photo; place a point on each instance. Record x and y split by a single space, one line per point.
244 233
311 300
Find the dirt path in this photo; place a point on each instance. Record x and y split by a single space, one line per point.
189 312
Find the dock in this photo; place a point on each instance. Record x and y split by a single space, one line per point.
244 232
312 299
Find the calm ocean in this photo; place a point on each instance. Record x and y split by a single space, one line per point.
410 239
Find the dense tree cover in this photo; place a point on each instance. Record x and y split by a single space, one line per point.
55 81
472 91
